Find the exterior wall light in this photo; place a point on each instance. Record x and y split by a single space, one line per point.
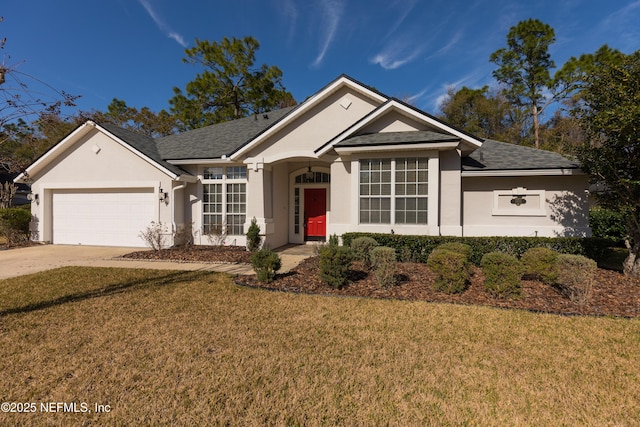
33 197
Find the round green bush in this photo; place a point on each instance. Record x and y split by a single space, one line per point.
576 277
362 247
14 224
335 262
265 263
383 260
458 247
541 263
451 269
502 274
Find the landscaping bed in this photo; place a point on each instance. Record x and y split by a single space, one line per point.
193 253
613 295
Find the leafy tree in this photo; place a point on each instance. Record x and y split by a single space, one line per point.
525 71
610 114
24 142
142 121
524 68
230 86
561 133
483 113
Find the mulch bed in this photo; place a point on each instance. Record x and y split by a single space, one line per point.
614 294
193 253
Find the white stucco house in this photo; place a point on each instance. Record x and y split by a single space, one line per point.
348 158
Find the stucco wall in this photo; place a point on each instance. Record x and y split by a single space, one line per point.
94 162
564 210
315 127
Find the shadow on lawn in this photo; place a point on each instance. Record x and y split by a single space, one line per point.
168 279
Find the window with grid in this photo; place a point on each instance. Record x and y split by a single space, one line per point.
212 208
393 186
224 199
411 185
236 208
375 191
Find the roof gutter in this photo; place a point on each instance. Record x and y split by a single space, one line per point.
524 172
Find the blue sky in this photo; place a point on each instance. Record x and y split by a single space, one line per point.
410 49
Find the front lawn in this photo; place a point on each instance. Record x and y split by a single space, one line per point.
192 348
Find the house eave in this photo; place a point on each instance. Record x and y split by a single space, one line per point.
206 161
304 107
439 146
470 143
523 172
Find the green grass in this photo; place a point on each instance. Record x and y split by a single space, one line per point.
191 348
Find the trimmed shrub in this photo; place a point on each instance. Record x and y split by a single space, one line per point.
14 225
253 236
335 262
265 263
576 276
451 269
461 248
334 240
362 247
418 248
541 263
502 274
383 260
608 224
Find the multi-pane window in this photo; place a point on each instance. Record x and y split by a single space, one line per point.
375 191
224 199
236 208
411 186
393 186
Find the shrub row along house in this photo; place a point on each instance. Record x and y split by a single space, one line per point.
348 158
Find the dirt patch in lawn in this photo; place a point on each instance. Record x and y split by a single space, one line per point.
613 294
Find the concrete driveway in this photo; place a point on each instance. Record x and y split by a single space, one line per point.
33 259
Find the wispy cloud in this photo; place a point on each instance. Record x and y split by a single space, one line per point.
289 11
398 53
405 6
332 11
624 23
450 45
166 29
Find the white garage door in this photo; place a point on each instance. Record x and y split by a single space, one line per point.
102 217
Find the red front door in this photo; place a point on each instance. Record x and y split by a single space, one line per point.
315 213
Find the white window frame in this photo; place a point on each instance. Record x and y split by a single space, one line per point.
432 226
225 181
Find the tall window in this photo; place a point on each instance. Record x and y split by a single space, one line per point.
224 199
375 191
394 191
411 191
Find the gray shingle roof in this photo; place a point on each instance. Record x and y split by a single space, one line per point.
143 143
394 138
495 155
214 141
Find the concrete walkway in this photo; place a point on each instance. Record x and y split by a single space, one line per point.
33 259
